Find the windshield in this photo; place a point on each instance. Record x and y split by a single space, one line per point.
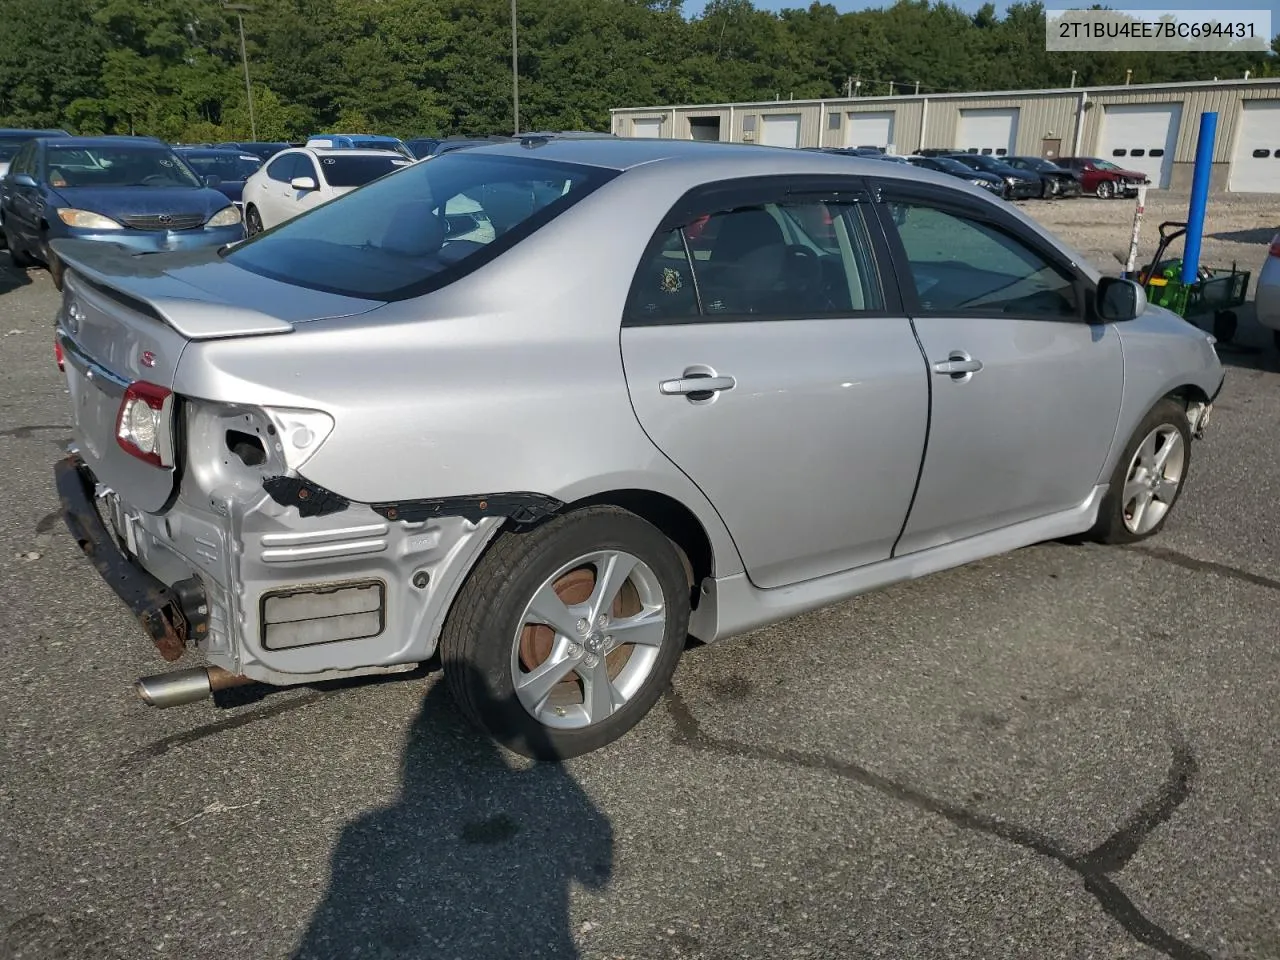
9 149
355 170
126 166
419 229
227 166
952 166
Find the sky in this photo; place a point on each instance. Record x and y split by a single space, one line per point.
973 5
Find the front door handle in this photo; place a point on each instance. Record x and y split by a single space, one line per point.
691 385
959 365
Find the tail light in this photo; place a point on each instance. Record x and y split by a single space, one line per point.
142 425
57 354
1274 249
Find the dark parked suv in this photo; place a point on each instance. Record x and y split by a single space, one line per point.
1019 184
1055 181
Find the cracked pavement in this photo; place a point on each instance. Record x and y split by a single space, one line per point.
1070 751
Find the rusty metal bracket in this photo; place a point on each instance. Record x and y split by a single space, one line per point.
158 609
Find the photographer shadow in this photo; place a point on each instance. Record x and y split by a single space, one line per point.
475 858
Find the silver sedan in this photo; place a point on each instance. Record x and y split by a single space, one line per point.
678 389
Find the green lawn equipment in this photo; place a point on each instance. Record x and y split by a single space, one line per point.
1213 290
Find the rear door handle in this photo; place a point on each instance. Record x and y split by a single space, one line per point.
958 365
688 385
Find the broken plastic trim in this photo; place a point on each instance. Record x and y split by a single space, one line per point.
520 507
312 500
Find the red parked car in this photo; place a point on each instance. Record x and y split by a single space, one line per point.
1102 178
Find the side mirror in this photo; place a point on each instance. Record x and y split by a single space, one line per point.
212 181
303 183
24 180
1118 300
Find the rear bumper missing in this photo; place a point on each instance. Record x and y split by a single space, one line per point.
159 609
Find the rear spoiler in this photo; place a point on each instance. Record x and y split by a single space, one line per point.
138 282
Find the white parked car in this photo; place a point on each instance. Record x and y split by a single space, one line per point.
297 180
1267 298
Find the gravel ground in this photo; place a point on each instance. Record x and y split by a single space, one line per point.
1063 752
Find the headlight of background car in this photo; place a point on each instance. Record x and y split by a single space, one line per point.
226 217
86 219
979 183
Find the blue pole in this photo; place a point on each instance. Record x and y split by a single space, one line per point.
1199 196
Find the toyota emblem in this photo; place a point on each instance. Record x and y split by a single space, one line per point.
148 358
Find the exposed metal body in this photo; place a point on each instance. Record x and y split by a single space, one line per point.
341 444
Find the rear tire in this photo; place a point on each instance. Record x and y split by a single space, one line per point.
1149 477
1105 190
599 685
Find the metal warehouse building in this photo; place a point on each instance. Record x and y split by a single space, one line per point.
1147 127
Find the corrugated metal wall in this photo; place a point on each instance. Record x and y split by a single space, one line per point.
1041 115
1225 101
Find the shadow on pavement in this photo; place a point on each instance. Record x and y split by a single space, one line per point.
11 278
1260 235
475 858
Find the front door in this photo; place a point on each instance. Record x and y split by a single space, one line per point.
24 204
766 358
1025 392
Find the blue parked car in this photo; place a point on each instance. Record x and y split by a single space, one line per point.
224 170
133 191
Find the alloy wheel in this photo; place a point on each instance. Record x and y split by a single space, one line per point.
588 639
1155 475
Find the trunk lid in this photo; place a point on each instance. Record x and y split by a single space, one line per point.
127 317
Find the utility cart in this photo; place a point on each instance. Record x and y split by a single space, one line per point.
1214 290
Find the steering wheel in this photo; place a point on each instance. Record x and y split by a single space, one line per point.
804 276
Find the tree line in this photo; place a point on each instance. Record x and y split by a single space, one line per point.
173 68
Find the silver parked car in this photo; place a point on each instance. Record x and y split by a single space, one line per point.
682 388
1267 294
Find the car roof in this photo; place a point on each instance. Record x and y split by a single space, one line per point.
623 153
346 152
25 132
106 141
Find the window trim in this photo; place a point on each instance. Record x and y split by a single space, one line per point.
956 203
750 191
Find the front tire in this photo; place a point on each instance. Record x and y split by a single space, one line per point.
1149 477
564 637
1105 190
252 221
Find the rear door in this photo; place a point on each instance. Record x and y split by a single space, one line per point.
768 357
1025 392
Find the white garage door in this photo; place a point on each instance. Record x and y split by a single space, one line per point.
869 130
1255 165
993 131
780 130
648 127
1142 137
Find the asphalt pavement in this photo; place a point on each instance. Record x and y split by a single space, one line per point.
1068 751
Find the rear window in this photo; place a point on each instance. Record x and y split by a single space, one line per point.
420 229
357 169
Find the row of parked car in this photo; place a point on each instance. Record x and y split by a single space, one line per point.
153 196
1019 178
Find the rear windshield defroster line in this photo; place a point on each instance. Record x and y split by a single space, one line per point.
390 239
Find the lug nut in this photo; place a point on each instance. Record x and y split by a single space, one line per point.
602 621
582 626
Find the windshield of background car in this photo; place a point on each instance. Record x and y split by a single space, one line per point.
355 170
128 166
952 166
420 229
1105 165
9 149
226 167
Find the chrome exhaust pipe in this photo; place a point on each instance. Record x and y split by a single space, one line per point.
186 686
